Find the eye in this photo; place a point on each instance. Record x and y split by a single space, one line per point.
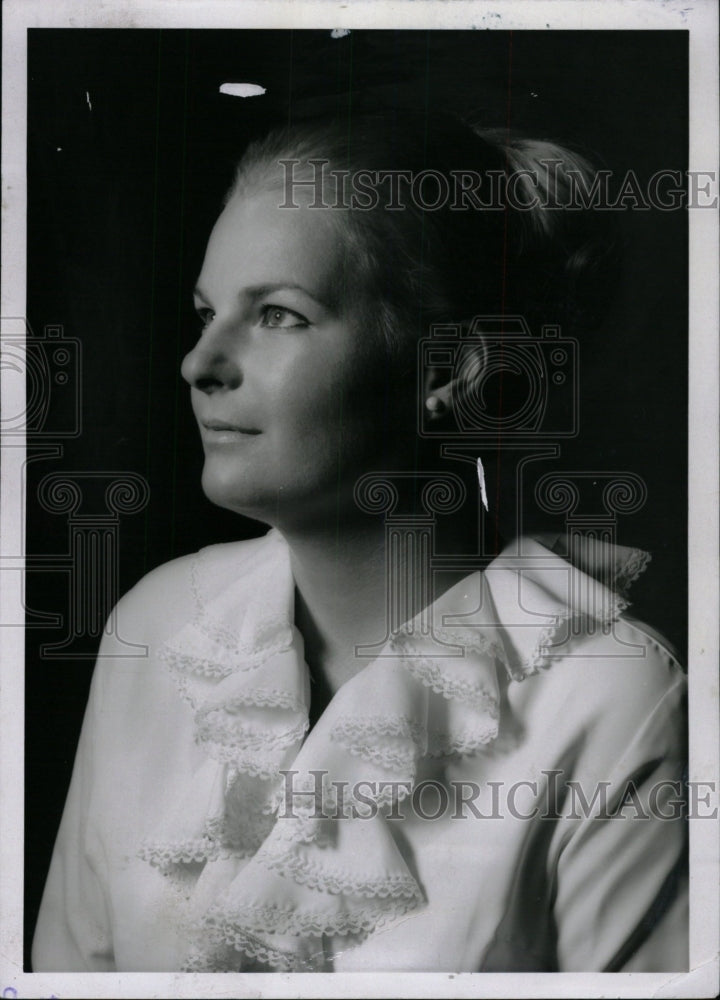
205 315
280 318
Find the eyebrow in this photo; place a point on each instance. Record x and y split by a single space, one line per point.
260 291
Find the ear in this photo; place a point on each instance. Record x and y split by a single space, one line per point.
438 392
446 385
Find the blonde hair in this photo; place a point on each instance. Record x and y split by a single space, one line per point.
540 257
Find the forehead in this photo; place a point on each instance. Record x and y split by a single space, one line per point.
254 241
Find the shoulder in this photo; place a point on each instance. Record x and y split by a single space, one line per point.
566 621
172 594
581 668
170 607
176 575
621 666
613 699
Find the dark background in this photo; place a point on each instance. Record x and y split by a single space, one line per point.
130 149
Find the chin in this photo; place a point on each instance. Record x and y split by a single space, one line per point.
235 492
256 498
289 498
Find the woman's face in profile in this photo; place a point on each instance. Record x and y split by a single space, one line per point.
293 393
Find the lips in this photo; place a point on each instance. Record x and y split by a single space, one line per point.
220 426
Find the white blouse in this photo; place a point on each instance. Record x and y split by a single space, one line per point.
459 782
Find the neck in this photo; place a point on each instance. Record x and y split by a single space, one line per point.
340 596
341 578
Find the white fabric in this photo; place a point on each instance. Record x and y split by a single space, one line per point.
175 851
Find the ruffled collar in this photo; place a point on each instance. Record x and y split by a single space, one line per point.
274 844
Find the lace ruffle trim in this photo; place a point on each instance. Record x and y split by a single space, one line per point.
234 941
186 852
336 881
273 918
212 726
543 655
426 670
230 659
241 944
359 737
633 567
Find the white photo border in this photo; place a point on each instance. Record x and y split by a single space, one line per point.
701 22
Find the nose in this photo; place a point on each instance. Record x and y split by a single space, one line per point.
213 363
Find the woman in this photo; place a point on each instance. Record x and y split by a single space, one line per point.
336 756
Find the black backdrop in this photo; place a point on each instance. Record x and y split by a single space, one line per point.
130 148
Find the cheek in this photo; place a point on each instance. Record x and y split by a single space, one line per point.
337 412
333 401
297 387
